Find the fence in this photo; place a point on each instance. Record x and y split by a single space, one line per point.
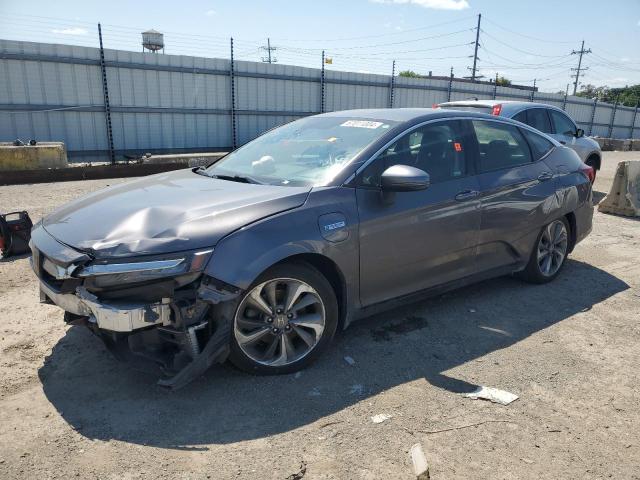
171 103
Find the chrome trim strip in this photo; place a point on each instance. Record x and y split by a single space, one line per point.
113 268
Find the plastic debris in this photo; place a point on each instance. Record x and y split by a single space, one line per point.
381 417
297 375
315 392
350 361
492 394
420 464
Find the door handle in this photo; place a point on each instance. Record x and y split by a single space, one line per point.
466 195
544 176
562 142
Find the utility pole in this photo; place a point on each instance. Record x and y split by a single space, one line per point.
564 101
533 91
475 53
580 52
495 87
269 49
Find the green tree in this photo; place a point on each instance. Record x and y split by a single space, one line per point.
629 95
410 74
503 82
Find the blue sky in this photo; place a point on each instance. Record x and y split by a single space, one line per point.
521 40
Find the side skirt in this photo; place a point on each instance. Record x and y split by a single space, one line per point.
380 307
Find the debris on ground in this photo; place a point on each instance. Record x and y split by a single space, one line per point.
381 417
350 360
300 473
420 464
492 394
315 392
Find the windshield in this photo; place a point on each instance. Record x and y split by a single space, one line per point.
307 152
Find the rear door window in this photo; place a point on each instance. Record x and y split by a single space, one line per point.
562 124
540 146
501 145
538 119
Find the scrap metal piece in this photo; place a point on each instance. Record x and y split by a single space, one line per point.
492 394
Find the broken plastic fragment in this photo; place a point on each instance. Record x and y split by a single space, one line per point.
420 464
350 360
381 417
492 394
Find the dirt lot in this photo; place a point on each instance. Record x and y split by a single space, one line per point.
570 350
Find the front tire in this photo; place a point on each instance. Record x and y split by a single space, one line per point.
284 321
549 253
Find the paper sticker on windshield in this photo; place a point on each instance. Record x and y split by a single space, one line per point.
361 124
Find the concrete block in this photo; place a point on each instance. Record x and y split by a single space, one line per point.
617 144
624 197
635 145
28 157
186 159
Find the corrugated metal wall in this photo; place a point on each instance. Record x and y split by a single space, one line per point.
179 103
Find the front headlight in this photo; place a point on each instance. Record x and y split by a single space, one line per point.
137 270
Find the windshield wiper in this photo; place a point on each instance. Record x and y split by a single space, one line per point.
237 178
201 171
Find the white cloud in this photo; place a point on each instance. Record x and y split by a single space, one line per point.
435 4
71 31
210 13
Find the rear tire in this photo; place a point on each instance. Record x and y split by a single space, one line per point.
283 321
549 253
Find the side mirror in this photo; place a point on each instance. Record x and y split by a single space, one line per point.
579 133
403 178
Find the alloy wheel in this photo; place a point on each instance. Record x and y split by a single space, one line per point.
279 321
552 248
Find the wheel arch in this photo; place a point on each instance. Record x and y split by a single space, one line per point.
596 158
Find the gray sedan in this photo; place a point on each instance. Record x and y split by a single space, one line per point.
263 256
545 118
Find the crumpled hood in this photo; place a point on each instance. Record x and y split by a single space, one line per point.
163 213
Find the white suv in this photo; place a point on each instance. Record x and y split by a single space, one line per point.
545 118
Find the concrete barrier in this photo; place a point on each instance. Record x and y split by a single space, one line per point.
611 144
94 172
624 197
185 159
32 157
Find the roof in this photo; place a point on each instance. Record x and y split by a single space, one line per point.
510 106
401 114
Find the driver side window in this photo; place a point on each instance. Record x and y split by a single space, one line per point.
436 148
562 124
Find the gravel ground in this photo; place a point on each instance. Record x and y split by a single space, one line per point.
570 350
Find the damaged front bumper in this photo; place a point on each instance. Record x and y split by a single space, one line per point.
176 326
115 316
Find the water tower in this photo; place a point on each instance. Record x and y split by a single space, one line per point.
152 41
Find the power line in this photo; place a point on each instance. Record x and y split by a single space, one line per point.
524 35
